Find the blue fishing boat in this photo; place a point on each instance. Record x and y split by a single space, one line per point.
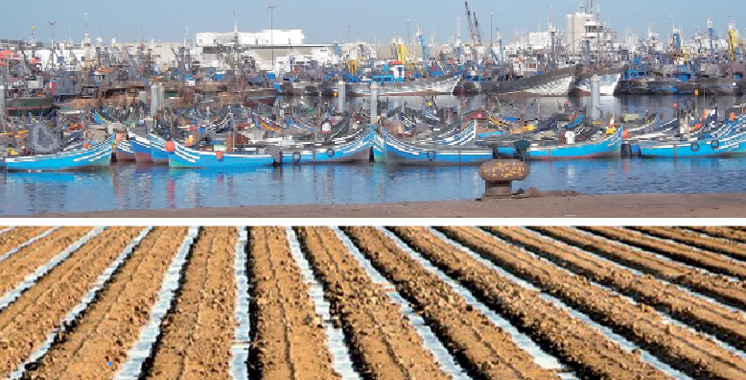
733 144
124 151
377 144
356 151
96 156
158 152
141 148
466 136
610 147
185 157
398 152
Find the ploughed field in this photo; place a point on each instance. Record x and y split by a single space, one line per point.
534 303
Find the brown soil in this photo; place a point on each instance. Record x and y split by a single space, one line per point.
18 236
703 315
714 286
708 260
197 335
385 344
589 352
290 341
729 248
25 324
722 232
27 260
112 324
486 350
689 352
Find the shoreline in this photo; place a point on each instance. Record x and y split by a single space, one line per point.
718 205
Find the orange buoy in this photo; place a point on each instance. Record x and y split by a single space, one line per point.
86 145
219 155
625 134
170 146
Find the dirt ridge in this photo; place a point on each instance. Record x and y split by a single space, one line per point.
202 320
690 238
25 324
290 338
688 352
677 252
385 345
483 347
711 285
590 353
24 262
100 341
699 314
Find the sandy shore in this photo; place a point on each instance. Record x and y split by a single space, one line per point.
728 205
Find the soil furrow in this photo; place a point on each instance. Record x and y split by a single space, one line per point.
708 316
18 236
679 252
721 289
25 324
290 339
24 262
385 344
692 354
690 238
586 350
100 341
481 346
197 335
720 232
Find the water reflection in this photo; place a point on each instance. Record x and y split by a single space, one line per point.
134 187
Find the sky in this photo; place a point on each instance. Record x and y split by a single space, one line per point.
327 21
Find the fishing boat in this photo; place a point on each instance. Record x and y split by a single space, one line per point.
610 147
397 152
141 148
96 156
608 81
124 152
440 85
450 138
356 151
185 157
552 83
454 137
725 145
158 152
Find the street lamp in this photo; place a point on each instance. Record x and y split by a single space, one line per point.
492 31
407 30
51 23
271 32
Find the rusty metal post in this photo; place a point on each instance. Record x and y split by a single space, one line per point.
498 176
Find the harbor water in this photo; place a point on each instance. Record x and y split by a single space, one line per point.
132 187
128 187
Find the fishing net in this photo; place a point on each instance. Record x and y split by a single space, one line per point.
41 140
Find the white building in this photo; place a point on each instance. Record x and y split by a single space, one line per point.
277 37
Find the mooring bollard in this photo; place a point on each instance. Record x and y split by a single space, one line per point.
498 176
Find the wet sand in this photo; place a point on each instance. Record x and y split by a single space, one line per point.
726 205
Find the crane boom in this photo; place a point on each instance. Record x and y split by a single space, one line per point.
476 28
472 32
